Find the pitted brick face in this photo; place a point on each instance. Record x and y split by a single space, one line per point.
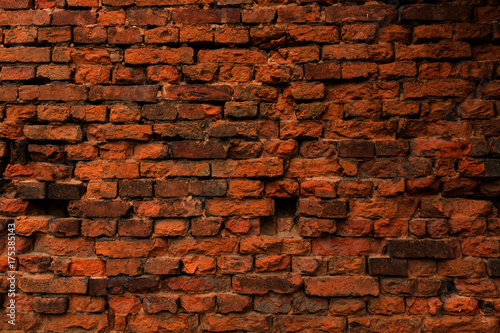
251 165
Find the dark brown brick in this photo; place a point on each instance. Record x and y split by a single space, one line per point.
64 227
136 188
387 266
135 227
356 148
50 305
64 191
438 249
31 190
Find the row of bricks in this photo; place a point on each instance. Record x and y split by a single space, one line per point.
416 321
284 283
287 14
253 168
236 110
436 228
209 72
381 52
294 144
277 304
239 188
299 91
267 37
467 267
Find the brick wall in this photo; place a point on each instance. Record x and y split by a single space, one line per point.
251 165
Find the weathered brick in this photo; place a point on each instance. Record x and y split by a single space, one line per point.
262 284
387 266
442 249
182 55
329 286
50 305
45 284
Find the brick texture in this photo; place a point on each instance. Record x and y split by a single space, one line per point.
251 165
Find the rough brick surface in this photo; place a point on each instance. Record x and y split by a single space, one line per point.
250 165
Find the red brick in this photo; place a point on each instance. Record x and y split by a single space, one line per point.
124 248
162 35
258 15
54 35
341 286
128 75
267 37
86 303
138 17
117 35
298 14
49 285
230 35
394 33
299 168
168 208
71 17
158 303
197 303
98 208
135 227
375 52
252 207
129 267
323 208
224 323
439 51
206 226
349 91
248 168
22 4
196 34
232 56
360 13
451 88
136 56
206 246
87 267
197 93
42 4
83 3
18 73
234 264
398 69
124 93
262 284
54 72
294 129
430 12
227 303
204 16
48 132
111 17
358 32
174 169
20 112
439 70
171 227
20 36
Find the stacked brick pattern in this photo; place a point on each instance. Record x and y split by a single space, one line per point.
251 165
